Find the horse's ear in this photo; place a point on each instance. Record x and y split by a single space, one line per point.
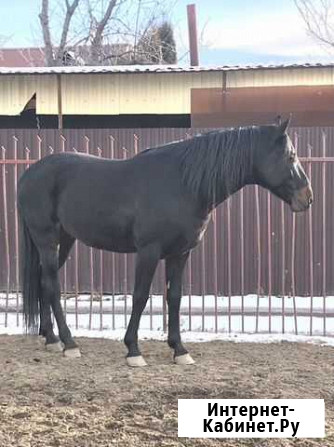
283 127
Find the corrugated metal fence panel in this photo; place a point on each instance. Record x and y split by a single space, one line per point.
216 265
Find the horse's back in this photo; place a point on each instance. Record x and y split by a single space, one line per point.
42 186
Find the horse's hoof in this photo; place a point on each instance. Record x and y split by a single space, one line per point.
72 353
41 340
184 359
54 347
136 361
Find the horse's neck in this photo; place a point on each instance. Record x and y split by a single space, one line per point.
223 193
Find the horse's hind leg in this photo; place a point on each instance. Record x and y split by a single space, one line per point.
46 241
174 270
146 263
46 328
52 342
51 292
66 242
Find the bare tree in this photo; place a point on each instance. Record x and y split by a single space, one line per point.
318 16
56 57
157 46
102 31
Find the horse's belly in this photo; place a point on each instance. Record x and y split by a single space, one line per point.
113 240
102 232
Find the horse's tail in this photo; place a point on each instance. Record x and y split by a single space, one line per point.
30 277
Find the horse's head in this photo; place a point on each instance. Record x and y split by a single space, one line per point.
278 169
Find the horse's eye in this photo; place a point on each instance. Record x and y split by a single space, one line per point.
292 157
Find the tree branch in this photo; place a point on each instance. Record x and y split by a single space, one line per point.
45 24
317 19
70 9
98 36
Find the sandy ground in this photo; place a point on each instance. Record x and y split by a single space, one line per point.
48 400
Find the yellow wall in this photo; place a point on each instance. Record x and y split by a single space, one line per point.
138 93
15 93
280 77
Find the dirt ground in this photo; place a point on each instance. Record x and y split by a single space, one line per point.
49 400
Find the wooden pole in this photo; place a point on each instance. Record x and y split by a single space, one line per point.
59 101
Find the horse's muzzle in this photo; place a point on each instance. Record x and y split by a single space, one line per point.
302 199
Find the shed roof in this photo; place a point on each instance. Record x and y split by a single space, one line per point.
153 68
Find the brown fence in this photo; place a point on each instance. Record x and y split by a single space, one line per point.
254 244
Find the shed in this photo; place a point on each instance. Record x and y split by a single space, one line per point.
165 96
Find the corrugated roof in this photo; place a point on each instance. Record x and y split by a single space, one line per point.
152 68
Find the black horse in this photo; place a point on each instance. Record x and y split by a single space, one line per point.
156 204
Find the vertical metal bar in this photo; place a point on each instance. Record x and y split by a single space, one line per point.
39 147
113 270
258 235
203 281
283 266
189 288
125 268
310 233
62 149
269 257
76 281
162 281
76 276
5 213
101 289
324 248
91 261
151 311
229 263
242 260
91 283
27 156
16 235
293 255
164 307
101 263
215 266
293 283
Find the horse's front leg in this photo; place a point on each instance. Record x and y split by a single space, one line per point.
174 270
146 263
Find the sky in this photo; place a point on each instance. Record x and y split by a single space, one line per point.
231 32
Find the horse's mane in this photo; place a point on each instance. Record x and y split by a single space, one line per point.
222 158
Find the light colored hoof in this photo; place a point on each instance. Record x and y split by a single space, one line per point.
54 347
41 340
73 353
136 362
184 359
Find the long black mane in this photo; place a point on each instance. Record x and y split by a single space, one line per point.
221 158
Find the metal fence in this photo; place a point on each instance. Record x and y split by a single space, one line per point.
260 268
